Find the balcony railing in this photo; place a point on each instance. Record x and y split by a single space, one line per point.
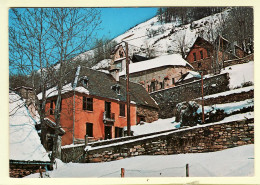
108 117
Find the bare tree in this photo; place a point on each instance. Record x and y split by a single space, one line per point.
44 36
29 51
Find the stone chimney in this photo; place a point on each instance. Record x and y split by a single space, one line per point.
115 73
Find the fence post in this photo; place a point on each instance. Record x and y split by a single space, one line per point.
40 170
187 170
122 172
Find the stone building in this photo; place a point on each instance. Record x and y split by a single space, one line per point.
202 55
158 73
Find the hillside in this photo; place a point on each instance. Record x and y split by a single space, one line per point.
153 38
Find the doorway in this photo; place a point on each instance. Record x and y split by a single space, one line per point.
108 133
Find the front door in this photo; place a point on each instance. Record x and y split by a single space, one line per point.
108 133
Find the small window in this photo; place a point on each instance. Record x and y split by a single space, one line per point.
173 81
208 53
162 84
89 129
90 104
201 54
87 103
152 86
118 132
122 110
194 56
52 107
199 64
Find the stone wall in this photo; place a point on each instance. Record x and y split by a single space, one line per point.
228 98
239 61
20 171
74 154
150 114
208 138
167 99
162 77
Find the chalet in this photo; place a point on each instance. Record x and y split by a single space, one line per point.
158 73
202 54
94 104
26 155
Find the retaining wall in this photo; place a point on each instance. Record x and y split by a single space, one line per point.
167 99
208 138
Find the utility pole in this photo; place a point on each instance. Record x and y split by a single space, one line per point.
202 99
127 91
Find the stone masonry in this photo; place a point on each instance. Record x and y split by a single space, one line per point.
167 99
208 138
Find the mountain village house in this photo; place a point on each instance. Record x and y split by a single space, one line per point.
202 55
158 73
100 106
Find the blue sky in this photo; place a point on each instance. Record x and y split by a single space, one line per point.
116 21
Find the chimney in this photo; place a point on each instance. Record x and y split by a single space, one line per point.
115 74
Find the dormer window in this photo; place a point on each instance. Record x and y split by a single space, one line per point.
116 88
84 81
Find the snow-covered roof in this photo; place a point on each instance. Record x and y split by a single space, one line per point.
66 88
25 144
165 60
102 64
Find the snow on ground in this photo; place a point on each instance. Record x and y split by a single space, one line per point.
237 161
240 74
228 107
156 126
24 141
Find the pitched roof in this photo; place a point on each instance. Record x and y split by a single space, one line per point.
100 84
165 60
25 144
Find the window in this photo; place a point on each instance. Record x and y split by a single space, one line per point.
89 129
122 110
52 107
173 81
152 86
87 103
162 84
208 53
194 56
118 65
199 64
118 132
201 54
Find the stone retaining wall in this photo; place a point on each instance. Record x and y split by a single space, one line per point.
72 153
228 98
239 61
167 99
209 138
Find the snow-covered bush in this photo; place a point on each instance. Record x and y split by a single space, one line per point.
187 113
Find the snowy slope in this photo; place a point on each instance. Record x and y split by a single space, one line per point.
237 161
240 74
24 141
168 37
